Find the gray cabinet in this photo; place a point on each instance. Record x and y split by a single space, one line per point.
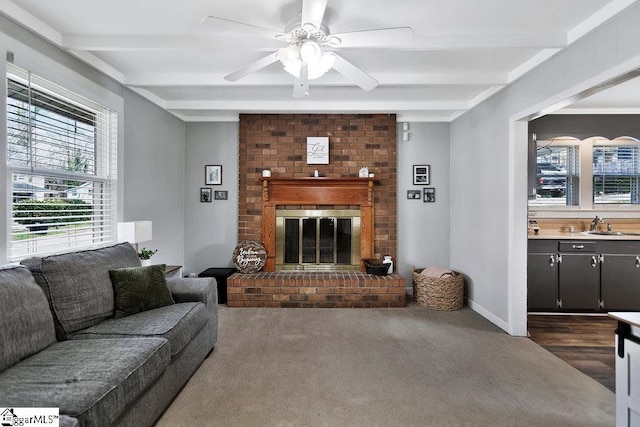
579 281
542 281
583 275
620 276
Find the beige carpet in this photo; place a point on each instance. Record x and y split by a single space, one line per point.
382 367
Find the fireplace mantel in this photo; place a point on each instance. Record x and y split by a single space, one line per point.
317 191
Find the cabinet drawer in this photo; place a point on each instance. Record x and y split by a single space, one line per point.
577 246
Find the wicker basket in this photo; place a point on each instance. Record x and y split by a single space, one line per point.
444 294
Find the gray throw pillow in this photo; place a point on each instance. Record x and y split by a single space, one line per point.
139 289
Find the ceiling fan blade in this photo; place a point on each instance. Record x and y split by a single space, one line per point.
355 74
228 25
301 84
399 36
253 67
313 12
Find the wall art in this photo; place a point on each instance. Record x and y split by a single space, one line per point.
318 150
429 195
213 175
205 195
421 174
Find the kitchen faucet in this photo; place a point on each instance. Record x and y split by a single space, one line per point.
595 222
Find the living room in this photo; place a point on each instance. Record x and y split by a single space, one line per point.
480 233
162 161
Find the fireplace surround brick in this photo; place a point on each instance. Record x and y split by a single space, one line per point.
314 289
278 142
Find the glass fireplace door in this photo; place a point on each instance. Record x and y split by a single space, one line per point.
324 242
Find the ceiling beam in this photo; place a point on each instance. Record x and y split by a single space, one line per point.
331 79
425 42
300 104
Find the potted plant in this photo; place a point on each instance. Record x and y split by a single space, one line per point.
145 255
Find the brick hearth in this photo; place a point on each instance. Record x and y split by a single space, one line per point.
315 289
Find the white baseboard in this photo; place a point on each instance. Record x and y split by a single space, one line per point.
488 315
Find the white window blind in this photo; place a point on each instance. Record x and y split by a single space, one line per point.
616 174
62 160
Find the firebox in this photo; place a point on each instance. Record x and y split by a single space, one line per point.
318 239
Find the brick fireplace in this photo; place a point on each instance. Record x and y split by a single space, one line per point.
278 142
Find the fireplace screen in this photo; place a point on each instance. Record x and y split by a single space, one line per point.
318 239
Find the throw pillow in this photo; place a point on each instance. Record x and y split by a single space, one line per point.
140 289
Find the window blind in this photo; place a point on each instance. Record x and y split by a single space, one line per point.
616 174
61 153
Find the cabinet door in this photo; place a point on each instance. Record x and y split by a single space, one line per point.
620 282
542 281
579 281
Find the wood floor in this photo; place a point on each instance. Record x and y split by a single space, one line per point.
585 342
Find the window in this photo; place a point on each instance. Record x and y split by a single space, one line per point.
616 174
61 156
588 174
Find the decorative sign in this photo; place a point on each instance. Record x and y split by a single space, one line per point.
249 256
318 150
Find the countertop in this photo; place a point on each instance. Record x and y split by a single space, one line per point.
578 235
631 318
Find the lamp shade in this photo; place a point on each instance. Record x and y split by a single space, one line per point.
135 231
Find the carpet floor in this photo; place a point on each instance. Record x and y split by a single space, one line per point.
381 367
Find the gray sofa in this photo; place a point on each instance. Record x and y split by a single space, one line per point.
62 347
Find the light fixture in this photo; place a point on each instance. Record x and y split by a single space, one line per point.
135 232
318 61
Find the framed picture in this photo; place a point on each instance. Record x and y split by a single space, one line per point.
421 174
413 194
220 195
429 195
213 175
205 195
318 150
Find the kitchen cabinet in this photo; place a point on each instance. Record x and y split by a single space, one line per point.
542 277
579 281
580 275
620 275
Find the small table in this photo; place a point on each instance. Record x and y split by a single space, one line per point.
221 275
170 270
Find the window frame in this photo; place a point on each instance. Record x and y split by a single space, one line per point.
585 154
105 174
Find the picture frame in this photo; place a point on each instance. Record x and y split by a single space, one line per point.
429 195
421 174
413 194
318 150
213 175
220 195
205 195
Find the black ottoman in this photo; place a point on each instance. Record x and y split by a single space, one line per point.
221 275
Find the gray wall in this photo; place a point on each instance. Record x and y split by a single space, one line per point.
151 141
423 228
489 164
153 166
211 229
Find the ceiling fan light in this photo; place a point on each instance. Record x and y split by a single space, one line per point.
288 54
293 68
310 51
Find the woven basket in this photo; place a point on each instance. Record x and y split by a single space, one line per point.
444 294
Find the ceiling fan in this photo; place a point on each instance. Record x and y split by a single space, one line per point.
310 51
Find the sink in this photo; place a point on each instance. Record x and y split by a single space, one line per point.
613 233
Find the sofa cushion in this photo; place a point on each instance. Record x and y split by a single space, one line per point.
91 380
178 323
78 285
140 289
26 324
